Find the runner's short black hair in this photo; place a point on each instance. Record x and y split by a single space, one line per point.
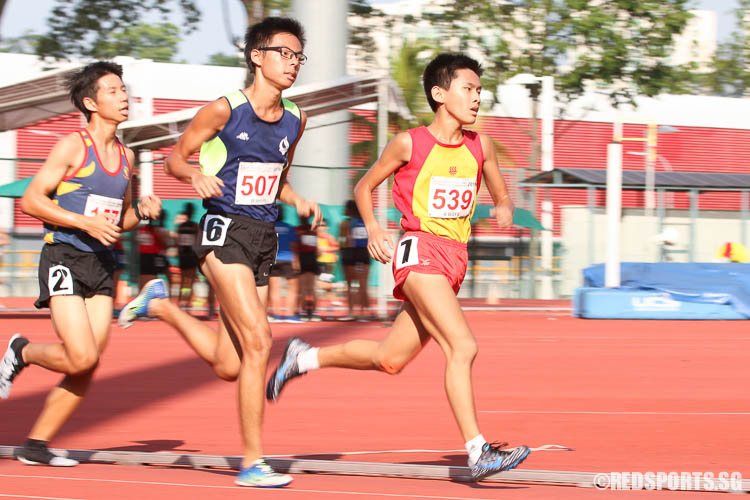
85 82
260 34
442 70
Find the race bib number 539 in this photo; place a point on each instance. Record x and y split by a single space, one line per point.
450 197
257 183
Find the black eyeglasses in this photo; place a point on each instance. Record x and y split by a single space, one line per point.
287 53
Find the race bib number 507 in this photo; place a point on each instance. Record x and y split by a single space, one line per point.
257 183
451 198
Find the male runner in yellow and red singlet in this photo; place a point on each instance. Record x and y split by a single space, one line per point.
438 170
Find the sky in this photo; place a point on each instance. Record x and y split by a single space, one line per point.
21 16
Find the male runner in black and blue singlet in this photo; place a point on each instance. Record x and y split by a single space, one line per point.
82 194
246 141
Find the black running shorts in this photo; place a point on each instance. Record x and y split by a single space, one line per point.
187 258
153 264
65 270
353 256
236 239
283 269
308 262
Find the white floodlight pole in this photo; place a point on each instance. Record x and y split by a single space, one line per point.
146 164
547 108
384 274
614 211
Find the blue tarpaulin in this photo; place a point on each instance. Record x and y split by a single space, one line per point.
688 282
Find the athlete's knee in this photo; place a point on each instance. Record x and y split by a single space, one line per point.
389 364
464 350
227 371
257 342
83 363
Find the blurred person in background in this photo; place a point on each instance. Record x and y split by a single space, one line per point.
4 240
153 242
356 261
328 255
308 264
286 268
185 235
731 251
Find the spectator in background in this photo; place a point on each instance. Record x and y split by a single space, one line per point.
328 255
153 241
308 263
356 261
286 267
186 232
4 240
732 252
121 262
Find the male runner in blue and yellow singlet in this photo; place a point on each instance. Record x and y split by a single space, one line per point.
82 194
246 141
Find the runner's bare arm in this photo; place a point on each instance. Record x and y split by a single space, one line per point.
149 206
496 184
209 120
395 155
65 156
305 208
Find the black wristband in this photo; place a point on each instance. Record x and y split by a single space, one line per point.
138 213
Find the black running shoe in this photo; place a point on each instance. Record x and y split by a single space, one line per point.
287 368
38 454
494 459
12 364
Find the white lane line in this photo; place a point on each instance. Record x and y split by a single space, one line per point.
545 447
552 412
184 485
43 498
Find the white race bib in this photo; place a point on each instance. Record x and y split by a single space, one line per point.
309 240
359 233
215 230
406 253
257 183
451 197
97 204
60 281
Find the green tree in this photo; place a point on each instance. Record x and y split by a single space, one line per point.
24 44
621 46
142 41
89 28
407 66
731 64
220 59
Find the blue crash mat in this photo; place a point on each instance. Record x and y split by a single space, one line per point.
727 284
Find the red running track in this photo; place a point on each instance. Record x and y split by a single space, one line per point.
626 395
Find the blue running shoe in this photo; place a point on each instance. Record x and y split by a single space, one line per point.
287 369
291 319
494 459
138 307
261 475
